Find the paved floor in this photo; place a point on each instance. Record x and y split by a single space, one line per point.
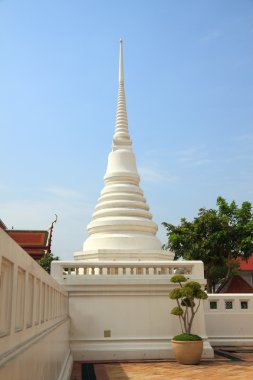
229 363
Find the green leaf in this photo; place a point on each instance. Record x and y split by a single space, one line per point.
175 294
178 311
214 236
177 278
45 261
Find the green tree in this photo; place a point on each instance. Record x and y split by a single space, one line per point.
45 261
215 236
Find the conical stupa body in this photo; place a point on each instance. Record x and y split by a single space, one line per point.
121 225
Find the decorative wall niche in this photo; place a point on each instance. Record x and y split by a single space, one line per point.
6 281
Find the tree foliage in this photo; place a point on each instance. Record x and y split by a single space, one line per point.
215 236
188 296
45 261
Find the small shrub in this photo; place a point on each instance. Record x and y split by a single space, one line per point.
188 297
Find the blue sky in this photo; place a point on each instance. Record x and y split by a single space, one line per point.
189 90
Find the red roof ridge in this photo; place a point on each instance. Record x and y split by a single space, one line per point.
235 284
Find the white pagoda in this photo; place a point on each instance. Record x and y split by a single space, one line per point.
121 227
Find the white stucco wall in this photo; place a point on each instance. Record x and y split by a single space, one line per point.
34 321
117 311
47 358
133 309
229 326
138 319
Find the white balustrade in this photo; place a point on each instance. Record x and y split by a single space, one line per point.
66 269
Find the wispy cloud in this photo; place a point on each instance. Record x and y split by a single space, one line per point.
245 137
211 36
63 192
149 174
193 157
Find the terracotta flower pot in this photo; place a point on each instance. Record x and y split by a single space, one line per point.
187 352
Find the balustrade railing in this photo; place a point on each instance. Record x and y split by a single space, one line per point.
68 269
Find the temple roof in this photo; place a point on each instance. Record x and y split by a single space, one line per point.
235 284
35 242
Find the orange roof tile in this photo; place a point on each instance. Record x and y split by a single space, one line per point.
246 265
28 238
35 242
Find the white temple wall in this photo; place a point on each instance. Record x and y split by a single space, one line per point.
117 311
119 316
34 321
229 319
133 324
47 357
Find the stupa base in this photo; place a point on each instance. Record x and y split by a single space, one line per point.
124 255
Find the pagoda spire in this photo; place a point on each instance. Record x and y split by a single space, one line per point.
121 136
121 225
121 67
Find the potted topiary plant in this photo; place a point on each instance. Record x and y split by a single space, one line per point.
187 347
